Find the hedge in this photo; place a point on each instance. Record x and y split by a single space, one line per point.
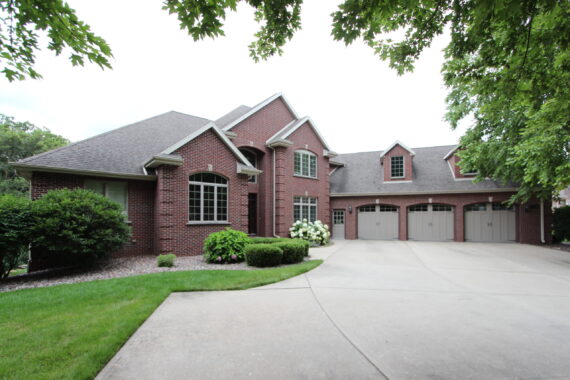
293 251
263 255
561 223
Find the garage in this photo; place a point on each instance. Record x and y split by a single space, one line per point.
490 222
378 222
430 222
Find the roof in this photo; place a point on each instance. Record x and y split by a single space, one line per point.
397 142
288 130
232 115
123 150
362 174
257 108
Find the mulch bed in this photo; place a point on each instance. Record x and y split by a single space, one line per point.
111 268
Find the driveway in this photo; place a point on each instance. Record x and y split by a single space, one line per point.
373 310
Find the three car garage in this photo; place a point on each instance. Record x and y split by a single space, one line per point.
483 222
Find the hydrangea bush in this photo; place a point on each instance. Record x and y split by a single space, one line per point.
316 232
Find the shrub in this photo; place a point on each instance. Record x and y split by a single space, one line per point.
316 232
78 224
263 255
166 260
561 223
225 246
305 245
268 240
15 232
293 251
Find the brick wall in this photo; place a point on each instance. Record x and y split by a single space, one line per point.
408 164
206 153
528 217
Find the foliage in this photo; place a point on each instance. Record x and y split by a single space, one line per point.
561 223
305 245
20 22
293 251
15 232
268 240
78 224
19 140
166 260
96 318
225 246
263 255
316 232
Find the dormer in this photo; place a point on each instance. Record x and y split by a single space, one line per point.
397 162
453 162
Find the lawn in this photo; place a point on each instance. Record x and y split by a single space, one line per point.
72 331
15 272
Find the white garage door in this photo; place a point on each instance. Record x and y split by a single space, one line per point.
430 222
338 224
378 222
490 222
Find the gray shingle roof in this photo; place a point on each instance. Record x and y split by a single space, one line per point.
232 115
123 150
363 174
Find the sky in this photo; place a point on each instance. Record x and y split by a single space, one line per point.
357 102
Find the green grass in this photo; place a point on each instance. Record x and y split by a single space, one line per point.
72 331
15 272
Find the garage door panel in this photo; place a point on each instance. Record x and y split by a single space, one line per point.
490 223
426 224
378 225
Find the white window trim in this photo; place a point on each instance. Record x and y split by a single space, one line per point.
309 154
216 186
403 167
307 203
126 210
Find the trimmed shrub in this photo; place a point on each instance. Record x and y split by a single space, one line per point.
268 240
306 245
225 246
561 223
263 255
78 224
293 251
166 260
15 232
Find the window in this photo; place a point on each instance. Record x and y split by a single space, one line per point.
440 207
305 164
305 208
419 208
397 166
115 191
370 208
252 158
501 207
208 198
338 217
476 207
385 208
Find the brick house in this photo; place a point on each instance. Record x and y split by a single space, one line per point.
258 169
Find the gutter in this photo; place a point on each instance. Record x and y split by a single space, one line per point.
434 192
542 240
274 191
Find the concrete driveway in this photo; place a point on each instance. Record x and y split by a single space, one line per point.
373 310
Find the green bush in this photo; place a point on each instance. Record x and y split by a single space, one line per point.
225 246
15 232
268 240
306 245
166 260
561 223
263 255
293 251
78 224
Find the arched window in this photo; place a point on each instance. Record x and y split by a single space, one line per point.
252 158
305 164
208 198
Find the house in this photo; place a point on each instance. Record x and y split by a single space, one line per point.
258 169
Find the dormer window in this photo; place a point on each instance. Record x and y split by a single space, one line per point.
397 167
305 164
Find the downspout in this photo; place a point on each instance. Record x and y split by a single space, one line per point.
274 191
542 222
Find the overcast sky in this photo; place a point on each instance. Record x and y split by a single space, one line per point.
355 99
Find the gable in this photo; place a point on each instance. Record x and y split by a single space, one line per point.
306 133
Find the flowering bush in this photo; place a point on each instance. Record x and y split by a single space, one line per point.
225 246
316 232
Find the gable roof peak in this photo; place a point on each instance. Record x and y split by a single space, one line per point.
397 142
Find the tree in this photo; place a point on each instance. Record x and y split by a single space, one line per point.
20 140
15 232
20 21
